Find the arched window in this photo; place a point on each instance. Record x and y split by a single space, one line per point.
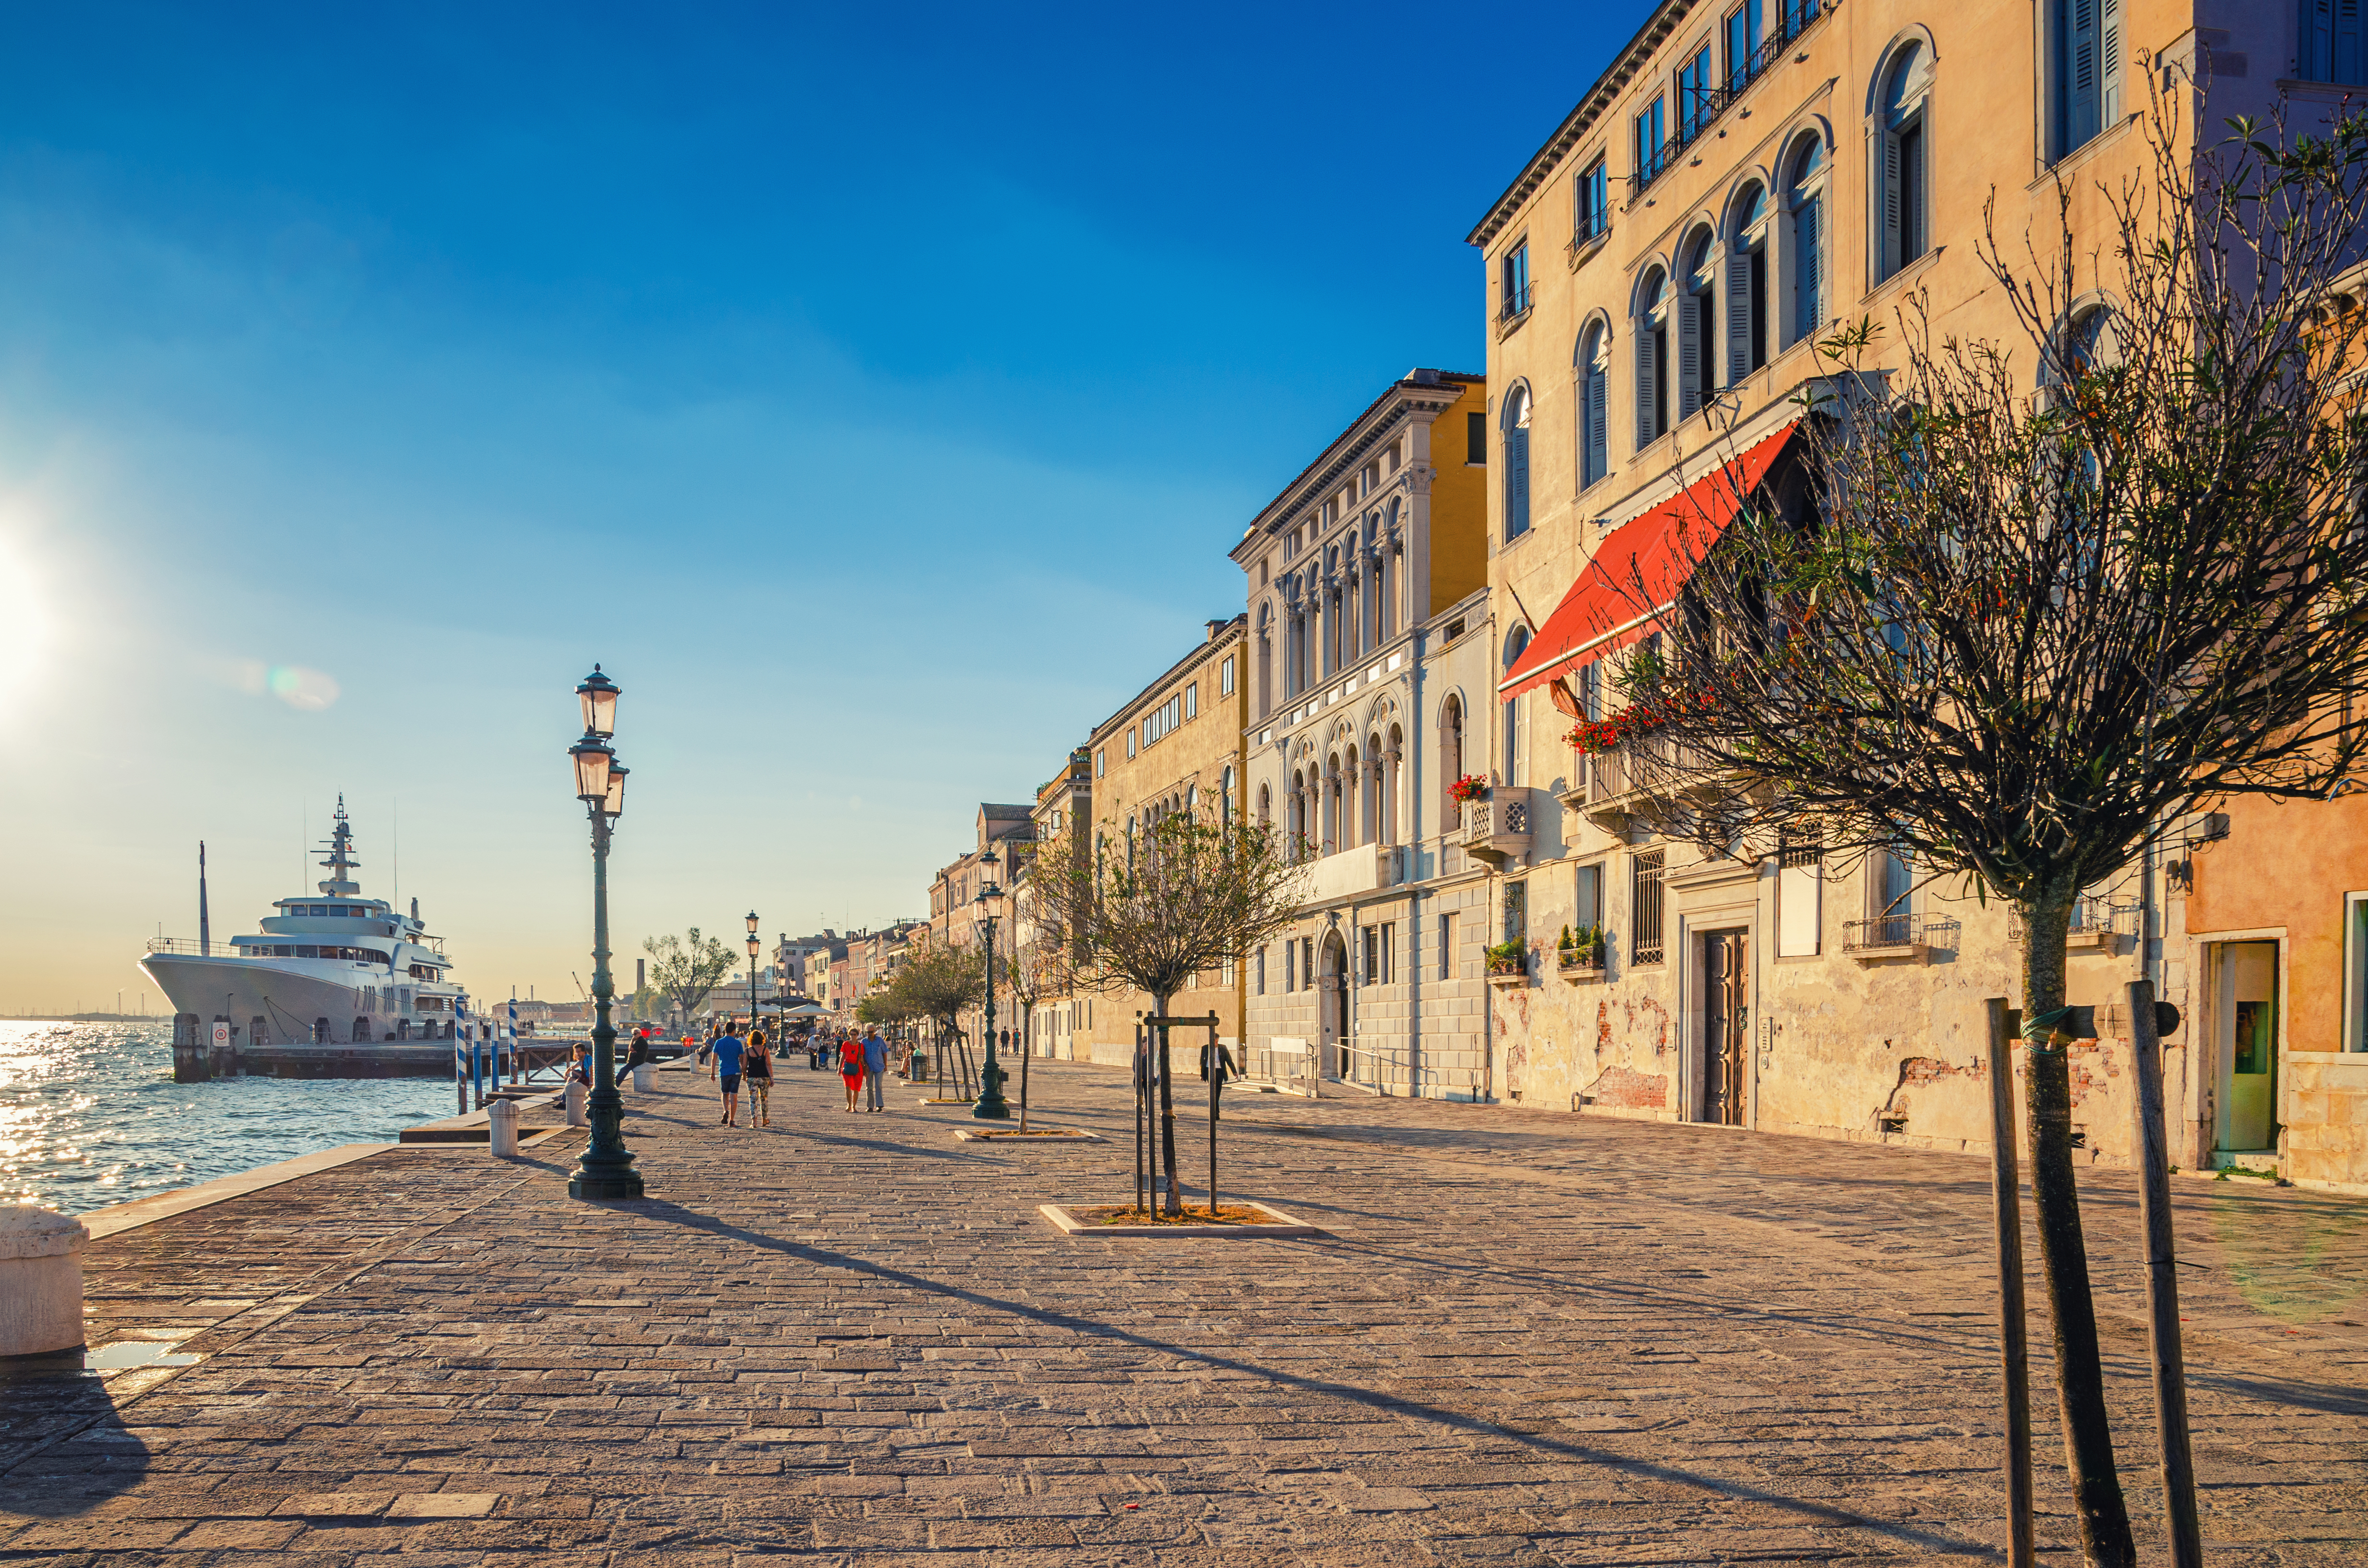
1266 805
1265 658
1295 810
1393 784
1594 392
1516 716
1225 797
1391 578
1331 804
1450 758
1352 772
1652 359
1370 825
1805 210
1697 325
1901 178
1517 463
1746 282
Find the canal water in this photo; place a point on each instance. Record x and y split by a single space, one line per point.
90 1115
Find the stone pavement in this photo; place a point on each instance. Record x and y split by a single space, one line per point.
1530 1338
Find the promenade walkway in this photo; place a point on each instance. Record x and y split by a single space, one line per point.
1530 1338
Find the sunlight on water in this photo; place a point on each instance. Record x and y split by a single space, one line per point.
90 1115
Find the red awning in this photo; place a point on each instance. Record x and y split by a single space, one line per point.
1636 571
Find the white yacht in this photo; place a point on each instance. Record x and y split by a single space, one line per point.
328 968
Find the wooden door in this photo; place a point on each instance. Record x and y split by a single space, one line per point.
1726 1027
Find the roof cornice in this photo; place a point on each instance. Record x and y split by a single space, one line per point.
1582 121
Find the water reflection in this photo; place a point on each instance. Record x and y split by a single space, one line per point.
90 1115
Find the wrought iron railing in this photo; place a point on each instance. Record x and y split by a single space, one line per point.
1899 931
1793 19
1517 303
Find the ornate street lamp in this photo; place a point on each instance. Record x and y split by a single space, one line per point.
991 1104
753 946
606 1169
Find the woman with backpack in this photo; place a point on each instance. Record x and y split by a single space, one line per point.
757 1070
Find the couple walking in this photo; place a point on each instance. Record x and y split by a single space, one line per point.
736 1059
863 1061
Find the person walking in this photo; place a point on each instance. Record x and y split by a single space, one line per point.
725 1052
875 1066
850 1069
757 1071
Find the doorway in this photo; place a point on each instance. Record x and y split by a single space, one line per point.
2248 1045
1726 1027
1334 1007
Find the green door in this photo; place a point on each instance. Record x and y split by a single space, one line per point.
2249 1045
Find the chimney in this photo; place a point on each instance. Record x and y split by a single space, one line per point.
1422 378
1215 627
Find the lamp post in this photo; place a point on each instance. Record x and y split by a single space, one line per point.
606 1169
753 946
991 1104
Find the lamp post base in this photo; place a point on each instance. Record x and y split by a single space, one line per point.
991 1106
605 1186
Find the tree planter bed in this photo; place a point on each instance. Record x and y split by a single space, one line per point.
1052 1134
1085 1222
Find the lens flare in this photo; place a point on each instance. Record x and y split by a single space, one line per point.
306 690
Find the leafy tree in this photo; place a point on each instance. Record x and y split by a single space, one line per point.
2043 601
1189 895
938 982
688 968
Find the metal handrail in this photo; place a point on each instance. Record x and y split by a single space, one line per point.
1516 304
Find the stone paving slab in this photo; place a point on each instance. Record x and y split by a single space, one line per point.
1528 1338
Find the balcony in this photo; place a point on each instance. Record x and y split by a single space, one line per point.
1498 829
1704 110
1579 966
1898 937
2097 924
1352 871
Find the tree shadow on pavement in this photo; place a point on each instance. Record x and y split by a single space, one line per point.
1812 1513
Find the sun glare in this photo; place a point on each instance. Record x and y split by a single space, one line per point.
24 626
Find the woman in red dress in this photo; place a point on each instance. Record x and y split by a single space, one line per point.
850 1069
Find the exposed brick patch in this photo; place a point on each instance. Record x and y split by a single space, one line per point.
1629 1090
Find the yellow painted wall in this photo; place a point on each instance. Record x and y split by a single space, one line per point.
1459 503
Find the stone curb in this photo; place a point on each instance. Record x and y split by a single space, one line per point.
1033 1135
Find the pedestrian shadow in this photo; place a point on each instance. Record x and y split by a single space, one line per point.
64 1449
1818 1514
2331 1399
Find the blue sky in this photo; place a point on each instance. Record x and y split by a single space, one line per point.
876 391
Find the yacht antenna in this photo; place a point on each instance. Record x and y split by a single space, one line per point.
205 928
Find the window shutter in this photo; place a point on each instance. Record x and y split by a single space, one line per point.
2344 61
2317 43
1598 446
1647 395
1739 314
1915 169
1810 261
1890 179
2109 59
2080 72
1690 355
1516 482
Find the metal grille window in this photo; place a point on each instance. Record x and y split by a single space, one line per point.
1645 908
1516 912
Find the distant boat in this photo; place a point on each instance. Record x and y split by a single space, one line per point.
331 968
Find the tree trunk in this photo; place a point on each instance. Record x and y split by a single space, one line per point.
2105 1538
1175 1203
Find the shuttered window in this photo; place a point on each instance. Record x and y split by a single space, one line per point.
1517 464
2330 43
2086 62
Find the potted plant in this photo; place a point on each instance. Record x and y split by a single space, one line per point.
1580 950
1468 789
1509 958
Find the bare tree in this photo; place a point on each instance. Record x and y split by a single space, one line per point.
688 968
1189 895
1038 967
2039 603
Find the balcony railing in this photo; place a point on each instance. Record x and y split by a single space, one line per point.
2094 922
1793 19
1516 304
1899 933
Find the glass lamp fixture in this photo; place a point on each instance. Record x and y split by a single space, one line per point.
612 805
599 696
592 759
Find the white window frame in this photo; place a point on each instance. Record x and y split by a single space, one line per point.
2355 973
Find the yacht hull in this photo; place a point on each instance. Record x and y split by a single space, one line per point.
272 1005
